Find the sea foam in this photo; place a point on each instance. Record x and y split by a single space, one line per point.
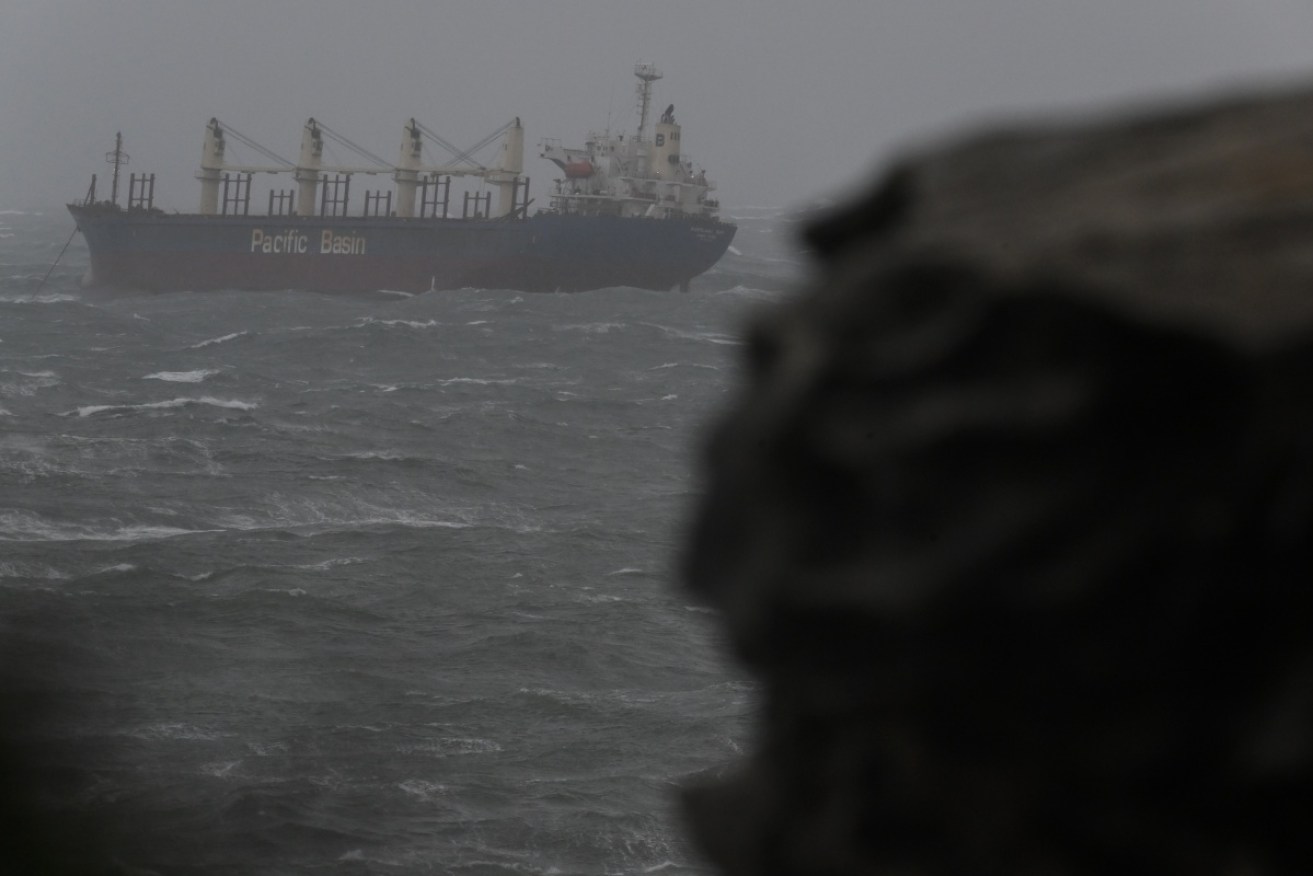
181 376
231 404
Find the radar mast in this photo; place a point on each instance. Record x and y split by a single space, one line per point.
647 74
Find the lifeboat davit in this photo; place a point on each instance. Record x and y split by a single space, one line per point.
578 169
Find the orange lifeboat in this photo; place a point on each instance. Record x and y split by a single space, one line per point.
578 169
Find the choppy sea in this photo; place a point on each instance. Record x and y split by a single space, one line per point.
371 584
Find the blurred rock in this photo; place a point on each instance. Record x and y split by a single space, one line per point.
1013 518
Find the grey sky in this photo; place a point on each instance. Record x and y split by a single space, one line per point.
781 101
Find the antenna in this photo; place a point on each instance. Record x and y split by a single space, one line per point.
118 158
647 74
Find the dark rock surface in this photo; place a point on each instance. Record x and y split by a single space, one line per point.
1013 518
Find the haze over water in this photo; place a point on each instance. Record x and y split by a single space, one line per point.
367 584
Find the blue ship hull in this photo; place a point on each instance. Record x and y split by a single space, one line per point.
547 252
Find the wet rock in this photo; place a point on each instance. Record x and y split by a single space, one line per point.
1013 517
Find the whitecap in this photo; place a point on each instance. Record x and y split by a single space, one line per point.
749 292
709 337
220 769
189 732
24 526
481 381
230 404
409 323
421 788
385 455
328 564
219 340
27 570
47 298
28 383
411 522
596 328
452 745
181 376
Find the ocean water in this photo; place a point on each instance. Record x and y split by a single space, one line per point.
373 584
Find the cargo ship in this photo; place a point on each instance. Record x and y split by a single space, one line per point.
626 211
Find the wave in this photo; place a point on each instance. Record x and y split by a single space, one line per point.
230 404
26 383
178 731
329 564
117 569
404 521
311 517
595 328
384 455
22 526
31 570
452 746
182 376
708 337
409 323
422 788
48 298
481 381
219 340
750 292
219 769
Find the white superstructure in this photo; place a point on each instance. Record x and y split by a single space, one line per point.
634 176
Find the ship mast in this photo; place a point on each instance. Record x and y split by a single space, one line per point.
647 74
118 158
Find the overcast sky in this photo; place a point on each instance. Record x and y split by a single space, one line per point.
782 101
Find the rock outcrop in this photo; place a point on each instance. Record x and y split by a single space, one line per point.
1013 518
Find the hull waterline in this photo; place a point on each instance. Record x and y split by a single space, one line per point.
154 251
